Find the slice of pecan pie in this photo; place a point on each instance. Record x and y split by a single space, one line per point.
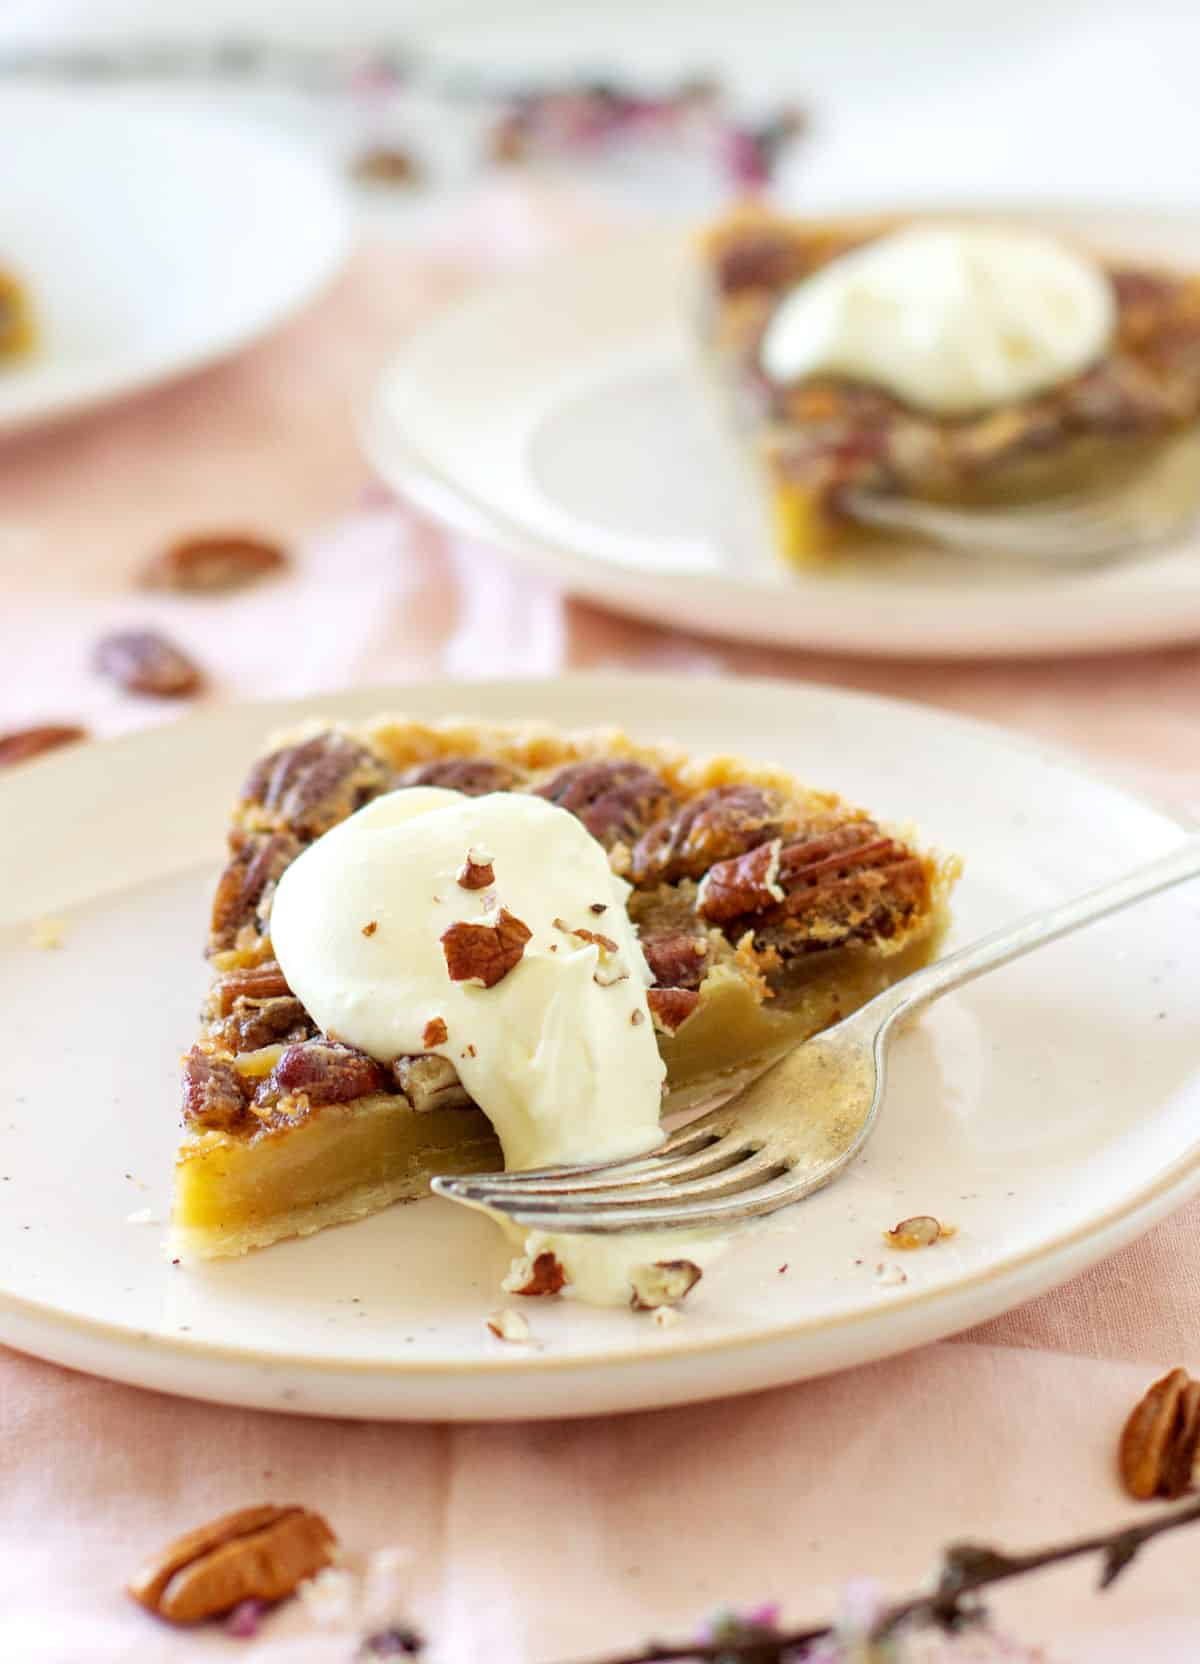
765 911
819 437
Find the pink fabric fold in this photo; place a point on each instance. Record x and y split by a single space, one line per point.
534 1544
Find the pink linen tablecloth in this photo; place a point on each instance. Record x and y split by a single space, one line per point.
531 1544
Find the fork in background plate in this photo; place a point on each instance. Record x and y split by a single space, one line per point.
1135 509
799 1124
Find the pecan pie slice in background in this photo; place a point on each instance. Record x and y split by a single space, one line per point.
823 435
766 910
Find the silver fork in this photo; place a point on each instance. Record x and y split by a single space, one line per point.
1133 511
800 1123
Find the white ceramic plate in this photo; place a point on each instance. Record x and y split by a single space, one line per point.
154 240
1049 1111
563 416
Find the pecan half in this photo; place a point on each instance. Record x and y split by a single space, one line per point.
23 743
1149 1436
676 958
851 882
252 1024
473 776
324 1072
214 1094
747 884
721 823
308 788
142 661
258 1553
670 1008
246 887
664 1283
430 1082
593 936
256 982
219 561
476 872
615 801
542 1274
485 953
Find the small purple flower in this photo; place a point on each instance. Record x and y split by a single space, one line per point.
744 158
397 1641
243 1622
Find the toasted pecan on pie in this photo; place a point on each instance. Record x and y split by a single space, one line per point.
765 910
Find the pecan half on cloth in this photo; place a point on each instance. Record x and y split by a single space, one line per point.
1158 1447
260 1553
216 561
142 661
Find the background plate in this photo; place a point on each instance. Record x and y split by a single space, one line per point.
1050 1110
154 240
608 470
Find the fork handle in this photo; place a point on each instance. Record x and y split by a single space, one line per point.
925 986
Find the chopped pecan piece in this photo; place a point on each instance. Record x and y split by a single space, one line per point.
245 888
485 953
258 1553
308 788
922 1230
592 936
430 1082
324 1072
541 1275
214 1094
663 1284
721 823
510 1326
746 884
670 1008
24 743
615 801
476 872
473 776
219 561
141 661
435 1033
677 959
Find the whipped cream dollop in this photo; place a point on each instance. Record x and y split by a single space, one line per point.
559 1052
948 318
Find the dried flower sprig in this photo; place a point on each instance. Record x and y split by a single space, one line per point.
571 119
952 1604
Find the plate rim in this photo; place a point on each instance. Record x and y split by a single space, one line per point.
1119 1225
143 374
395 451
